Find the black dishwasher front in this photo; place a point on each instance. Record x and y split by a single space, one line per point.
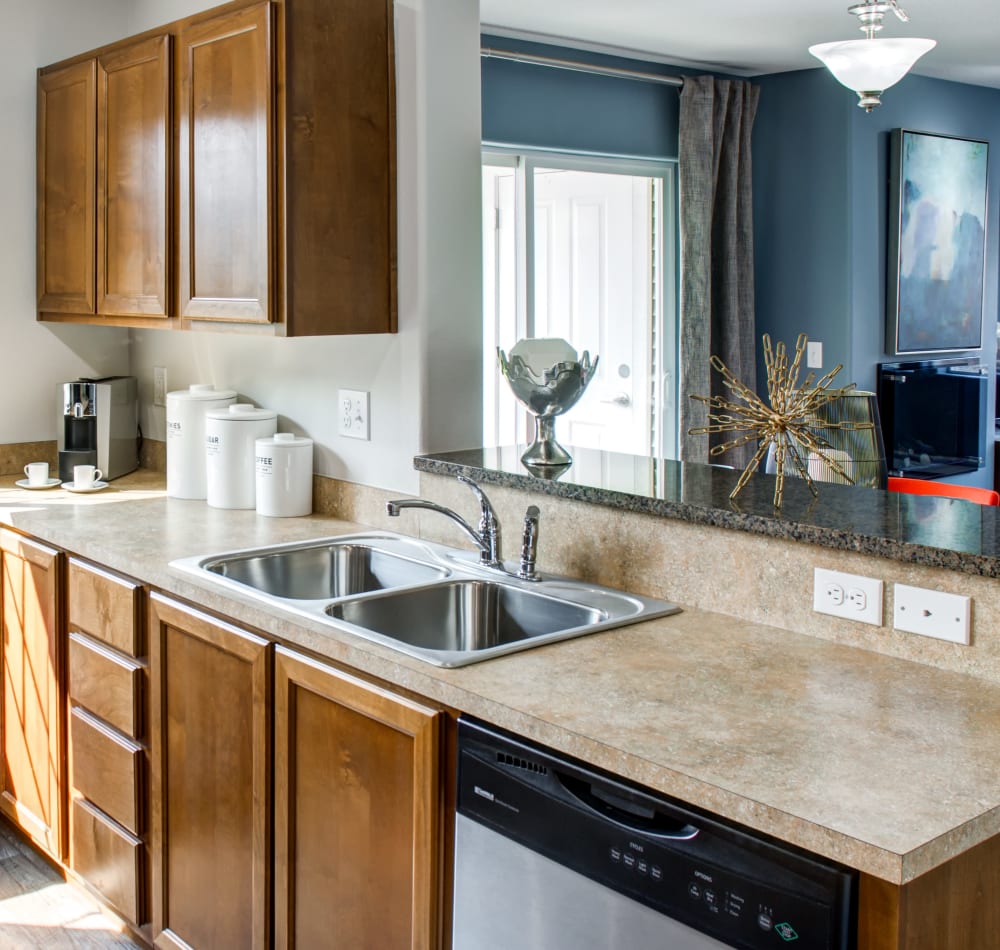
551 854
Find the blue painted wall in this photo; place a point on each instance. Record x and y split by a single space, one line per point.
821 196
541 107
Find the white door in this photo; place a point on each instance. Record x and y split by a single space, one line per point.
592 287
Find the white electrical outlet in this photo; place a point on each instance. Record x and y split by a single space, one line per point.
353 414
847 595
814 355
931 613
159 385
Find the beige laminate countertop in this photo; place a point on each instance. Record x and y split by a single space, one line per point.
887 765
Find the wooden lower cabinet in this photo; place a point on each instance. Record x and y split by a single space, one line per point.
32 719
211 766
357 813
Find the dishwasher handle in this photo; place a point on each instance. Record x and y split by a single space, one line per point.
627 814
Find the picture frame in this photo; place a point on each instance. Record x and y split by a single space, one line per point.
937 243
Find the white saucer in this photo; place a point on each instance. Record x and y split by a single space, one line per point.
50 483
97 486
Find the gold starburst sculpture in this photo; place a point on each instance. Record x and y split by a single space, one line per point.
790 422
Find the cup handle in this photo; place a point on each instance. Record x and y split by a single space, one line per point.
98 474
26 471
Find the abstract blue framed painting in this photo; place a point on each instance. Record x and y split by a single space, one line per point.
937 243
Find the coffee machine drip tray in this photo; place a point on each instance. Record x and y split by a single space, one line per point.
99 426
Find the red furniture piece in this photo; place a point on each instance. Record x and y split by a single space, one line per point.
920 486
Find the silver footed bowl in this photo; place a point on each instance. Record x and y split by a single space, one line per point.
556 391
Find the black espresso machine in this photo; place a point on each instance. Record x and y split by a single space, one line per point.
99 426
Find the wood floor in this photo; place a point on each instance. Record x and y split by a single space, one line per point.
40 909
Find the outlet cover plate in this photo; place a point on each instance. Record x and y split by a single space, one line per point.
931 613
353 418
850 596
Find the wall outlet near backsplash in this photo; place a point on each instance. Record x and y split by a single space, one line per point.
850 596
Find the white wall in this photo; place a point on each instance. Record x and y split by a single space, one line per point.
35 358
424 381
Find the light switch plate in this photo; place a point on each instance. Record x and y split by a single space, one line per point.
931 613
353 414
814 355
159 385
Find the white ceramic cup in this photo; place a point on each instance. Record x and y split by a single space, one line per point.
37 472
84 476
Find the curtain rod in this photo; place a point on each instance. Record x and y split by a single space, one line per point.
533 60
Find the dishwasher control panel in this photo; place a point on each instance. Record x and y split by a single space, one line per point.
742 889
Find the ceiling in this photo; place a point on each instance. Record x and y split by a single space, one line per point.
755 37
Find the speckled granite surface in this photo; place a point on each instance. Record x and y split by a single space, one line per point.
887 765
937 532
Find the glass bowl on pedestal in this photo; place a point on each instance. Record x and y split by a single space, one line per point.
548 378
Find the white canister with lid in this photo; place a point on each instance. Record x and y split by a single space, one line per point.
284 465
186 410
230 435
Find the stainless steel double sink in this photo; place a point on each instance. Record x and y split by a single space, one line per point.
424 599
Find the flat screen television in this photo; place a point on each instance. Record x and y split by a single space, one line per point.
934 416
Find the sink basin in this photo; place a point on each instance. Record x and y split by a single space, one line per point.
423 599
464 615
322 570
467 620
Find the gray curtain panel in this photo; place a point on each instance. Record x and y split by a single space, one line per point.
717 291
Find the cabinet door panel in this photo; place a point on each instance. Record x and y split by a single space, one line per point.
209 687
225 167
33 724
67 103
356 813
133 114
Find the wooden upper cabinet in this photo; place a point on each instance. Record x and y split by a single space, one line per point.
133 163
67 103
234 167
225 162
339 171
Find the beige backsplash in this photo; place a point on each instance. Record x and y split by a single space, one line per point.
15 455
750 577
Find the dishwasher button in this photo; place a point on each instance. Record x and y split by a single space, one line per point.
764 921
656 872
629 860
642 867
694 891
616 854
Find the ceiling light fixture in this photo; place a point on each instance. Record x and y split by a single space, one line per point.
870 66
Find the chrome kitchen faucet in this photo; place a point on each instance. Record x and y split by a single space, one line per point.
487 538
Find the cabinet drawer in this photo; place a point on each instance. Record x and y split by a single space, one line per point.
106 683
106 768
108 858
105 606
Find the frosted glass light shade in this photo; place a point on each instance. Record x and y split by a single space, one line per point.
871 65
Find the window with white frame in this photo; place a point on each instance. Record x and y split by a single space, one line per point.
584 248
